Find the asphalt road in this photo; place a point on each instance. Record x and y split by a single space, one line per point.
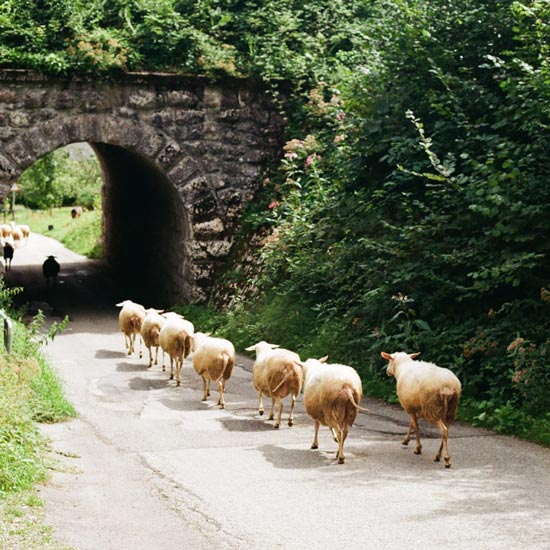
148 465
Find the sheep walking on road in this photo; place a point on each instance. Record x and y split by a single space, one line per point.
150 331
425 391
130 319
175 338
213 359
277 373
50 269
332 394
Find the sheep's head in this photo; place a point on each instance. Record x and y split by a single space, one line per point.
261 347
396 357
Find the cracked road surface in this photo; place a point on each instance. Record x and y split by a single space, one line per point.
149 466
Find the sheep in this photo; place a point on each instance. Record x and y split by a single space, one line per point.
213 359
130 319
150 330
8 255
175 338
331 396
5 231
16 235
25 231
277 373
50 268
76 212
425 391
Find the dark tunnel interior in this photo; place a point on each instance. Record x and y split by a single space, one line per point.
144 227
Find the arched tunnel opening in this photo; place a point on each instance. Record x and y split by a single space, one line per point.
144 228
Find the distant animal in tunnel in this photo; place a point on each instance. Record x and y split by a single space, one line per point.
277 373
150 331
25 231
130 319
176 338
5 231
213 359
50 269
76 212
425 391
8 255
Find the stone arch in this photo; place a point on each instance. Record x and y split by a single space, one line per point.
146 220
202 146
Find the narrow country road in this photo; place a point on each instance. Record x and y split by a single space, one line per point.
148 465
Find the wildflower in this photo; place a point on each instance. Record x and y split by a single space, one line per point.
291 155
273 204
515 344
311 158
339 138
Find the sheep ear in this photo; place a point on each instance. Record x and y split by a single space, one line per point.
386 356
207 333
121 304
323 359
275 346
251 348
414 355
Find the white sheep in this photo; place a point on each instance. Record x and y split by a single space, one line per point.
213 359
425 391
175 338
331 396
130 319
150 331
277 373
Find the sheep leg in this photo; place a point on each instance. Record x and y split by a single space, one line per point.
156 355
418 448
278 421
179 363
221 401
126 342
342 438
315 444
272 413
334 434
163 367
260 404
150 357
171 368
204 390
444 438
291 415
407 437
140 346
208 389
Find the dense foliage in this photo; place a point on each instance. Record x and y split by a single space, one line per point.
410 209
61 178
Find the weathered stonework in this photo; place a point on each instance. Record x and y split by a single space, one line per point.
181 156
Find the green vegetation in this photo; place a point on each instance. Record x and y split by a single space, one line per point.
29 392
61 179
409 210
82 235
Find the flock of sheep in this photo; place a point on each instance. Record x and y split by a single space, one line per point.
331 392
12 236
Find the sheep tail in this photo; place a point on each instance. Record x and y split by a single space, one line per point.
353 402
285 378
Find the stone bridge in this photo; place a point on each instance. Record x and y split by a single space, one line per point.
180 156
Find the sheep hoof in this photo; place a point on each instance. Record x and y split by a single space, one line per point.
340 460
437 459
276 426
163 369
204 398
315 446
261 413
417 451
171 377
271 417
222 406
177 384
447 465
140 355
290 422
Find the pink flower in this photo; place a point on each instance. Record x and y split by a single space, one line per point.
311 158
291 155
273 205
339 138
